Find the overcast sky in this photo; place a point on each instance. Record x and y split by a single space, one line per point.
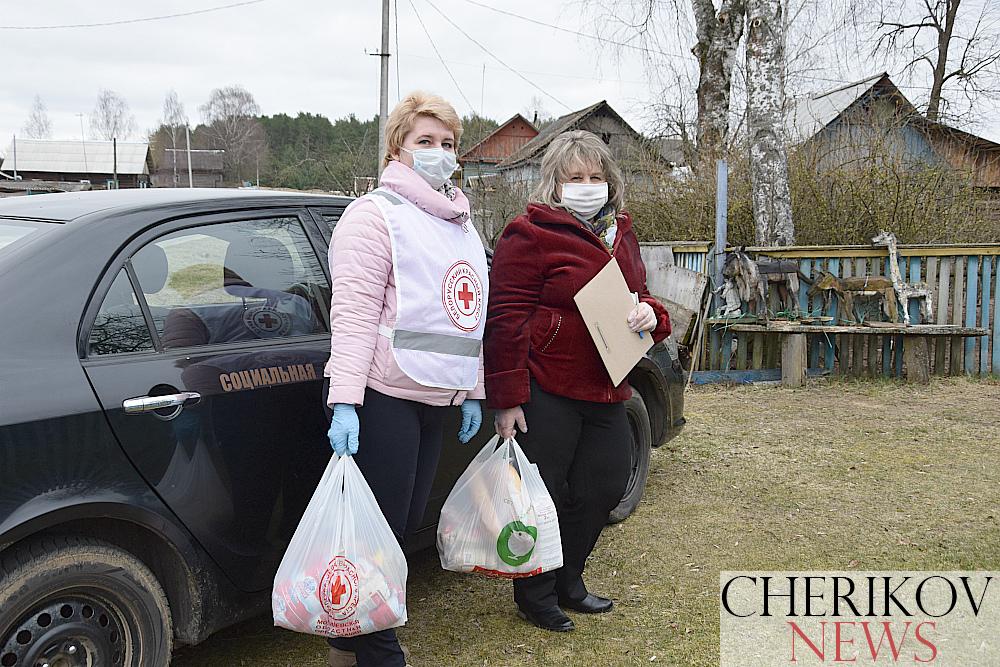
310 55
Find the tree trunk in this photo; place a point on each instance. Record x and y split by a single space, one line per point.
718 34
940 66
772 206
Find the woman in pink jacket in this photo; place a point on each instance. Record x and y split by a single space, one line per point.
407 312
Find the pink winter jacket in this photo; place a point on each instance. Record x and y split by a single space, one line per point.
364 297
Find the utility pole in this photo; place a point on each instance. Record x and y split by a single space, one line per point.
83 141
14 143
383 105
114 166
187 132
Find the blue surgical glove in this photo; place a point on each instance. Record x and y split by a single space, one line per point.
344 429
472 419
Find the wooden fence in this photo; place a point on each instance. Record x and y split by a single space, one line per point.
965 284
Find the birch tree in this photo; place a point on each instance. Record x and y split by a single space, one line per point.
111 118
174 120
38 125
231 120
772 204
718 32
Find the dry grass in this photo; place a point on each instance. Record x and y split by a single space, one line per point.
839 475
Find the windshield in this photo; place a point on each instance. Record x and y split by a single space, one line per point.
15 230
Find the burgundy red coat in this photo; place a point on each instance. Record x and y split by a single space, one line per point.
533 327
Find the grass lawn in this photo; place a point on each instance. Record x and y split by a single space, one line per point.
835 476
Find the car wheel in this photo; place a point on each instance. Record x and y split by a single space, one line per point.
78 601
641 442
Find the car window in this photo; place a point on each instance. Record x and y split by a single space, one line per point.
119 326
15 230
235 281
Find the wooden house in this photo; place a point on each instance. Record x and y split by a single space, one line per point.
873 117
93 162
171 168
483 158
640 160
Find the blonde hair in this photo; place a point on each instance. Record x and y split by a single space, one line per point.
417 103
583 147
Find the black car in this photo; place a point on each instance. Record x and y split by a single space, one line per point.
161 417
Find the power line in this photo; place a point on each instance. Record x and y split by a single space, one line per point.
490 53
443 63
528 71
625 45
126 21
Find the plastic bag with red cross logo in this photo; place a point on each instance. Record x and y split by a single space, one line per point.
499 519
344 573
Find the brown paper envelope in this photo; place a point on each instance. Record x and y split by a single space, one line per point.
605 303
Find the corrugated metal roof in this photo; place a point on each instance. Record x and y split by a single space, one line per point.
810 115
77 157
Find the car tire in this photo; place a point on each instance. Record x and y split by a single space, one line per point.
74 600
641 442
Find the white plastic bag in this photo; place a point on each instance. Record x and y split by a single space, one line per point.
499 519
343 573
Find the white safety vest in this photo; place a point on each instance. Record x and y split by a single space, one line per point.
442 282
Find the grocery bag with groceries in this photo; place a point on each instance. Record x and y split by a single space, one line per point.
344 573
499 519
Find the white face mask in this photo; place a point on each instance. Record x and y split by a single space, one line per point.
435 165
585 199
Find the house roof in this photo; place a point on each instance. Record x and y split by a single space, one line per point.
811 114
562 124
77 157
489 136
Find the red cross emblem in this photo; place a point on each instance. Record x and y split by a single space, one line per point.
463 296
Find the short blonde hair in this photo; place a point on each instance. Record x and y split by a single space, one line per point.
583 147
417 103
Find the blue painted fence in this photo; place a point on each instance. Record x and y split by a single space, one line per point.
965 284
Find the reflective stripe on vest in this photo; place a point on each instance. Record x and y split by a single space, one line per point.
432 342
441 287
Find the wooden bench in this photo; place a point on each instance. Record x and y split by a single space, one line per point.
916 354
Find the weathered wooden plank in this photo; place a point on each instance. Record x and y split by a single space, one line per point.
931 279
984 343
758 350
917 360
833 266
846 343
886 340
805 266
793 360
996 325
942 315
741 351
772 351
904 271
971 298
956 314
746 377
714 350
846 329
873 354
727 351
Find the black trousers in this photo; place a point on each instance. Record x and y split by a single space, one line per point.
582 452
400 445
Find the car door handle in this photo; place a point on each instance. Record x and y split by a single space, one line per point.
141 404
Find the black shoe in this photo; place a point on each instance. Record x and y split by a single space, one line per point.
552 619
592 604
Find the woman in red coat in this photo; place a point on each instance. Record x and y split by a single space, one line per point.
543 372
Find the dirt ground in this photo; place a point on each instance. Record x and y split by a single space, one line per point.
838 475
